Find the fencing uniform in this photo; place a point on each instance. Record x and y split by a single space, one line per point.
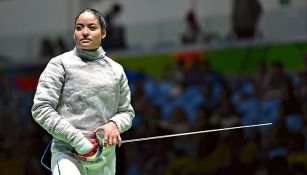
77 92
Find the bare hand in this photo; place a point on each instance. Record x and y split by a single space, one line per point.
111 134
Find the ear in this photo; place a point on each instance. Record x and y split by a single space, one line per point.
103 33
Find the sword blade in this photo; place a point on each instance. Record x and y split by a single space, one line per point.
193 133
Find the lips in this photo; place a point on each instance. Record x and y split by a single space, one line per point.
85 40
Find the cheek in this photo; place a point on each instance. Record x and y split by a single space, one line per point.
77 34
98 37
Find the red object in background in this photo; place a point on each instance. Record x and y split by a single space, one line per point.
26 82
188 56
22 77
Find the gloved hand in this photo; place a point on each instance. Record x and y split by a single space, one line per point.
84 146
91 155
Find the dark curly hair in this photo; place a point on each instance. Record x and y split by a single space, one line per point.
99 16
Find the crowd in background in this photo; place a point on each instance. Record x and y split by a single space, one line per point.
192 97
199 98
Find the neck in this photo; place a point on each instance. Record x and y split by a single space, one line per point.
90 54
89 50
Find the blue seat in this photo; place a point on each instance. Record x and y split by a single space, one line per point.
270 108
294 122
136 120
276 152
248 88
150 89
164 88
167 109
248 107
133 169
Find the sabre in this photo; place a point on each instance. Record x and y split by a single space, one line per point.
193 133
171 135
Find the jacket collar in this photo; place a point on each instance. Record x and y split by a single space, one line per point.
90 55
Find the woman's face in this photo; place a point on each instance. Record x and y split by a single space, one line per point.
88 33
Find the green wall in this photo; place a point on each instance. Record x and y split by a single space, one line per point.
229 61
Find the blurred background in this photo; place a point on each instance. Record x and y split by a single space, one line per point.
191 64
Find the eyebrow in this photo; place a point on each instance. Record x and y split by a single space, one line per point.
88 24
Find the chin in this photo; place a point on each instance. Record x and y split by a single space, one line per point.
88 47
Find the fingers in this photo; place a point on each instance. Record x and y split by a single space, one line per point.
112 140
98 129
119 139
111 134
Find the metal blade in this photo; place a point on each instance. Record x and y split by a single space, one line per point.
192 133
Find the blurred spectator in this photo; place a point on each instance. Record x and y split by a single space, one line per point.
201 121
245 18
289 102
201 72
260 75
178 78
302 87
178 122
224 115
305 61
116 32
192 33
210 75
277 166
46 49
60 46
193 74
140 101
110 17
276 137
276 79
209 100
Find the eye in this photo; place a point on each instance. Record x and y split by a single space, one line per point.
92 28
78 28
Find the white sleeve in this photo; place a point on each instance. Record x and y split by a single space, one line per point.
46 100
125 113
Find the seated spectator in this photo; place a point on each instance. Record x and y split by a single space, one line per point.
209 100
275 81
178 122
302 87
193 74
277 166
259 77
140 101
210 75
277 136
224 115
296 153
201 121
289 103
201 72
305 61
179 78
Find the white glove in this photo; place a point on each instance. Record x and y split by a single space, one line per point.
84 146
93 154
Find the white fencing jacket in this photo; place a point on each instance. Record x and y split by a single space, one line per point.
79 91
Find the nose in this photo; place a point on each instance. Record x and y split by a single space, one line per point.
85 32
